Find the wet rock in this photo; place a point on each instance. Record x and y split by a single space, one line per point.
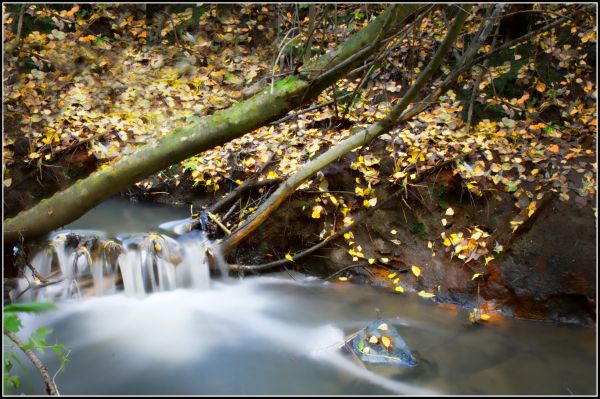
549 271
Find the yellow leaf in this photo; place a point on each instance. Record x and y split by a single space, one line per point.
541 87
524 98
272 175
87 38
373 339
157 247
392 275
399 289
449 212
341 278
393 232
475 276
484 316
384 260
396 280
416 271
488 259
425 294
289 257
429 244
444 222
72 11
531 208
371 261
366 350
316 212
383 327
386 341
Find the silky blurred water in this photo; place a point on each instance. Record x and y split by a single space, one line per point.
280 334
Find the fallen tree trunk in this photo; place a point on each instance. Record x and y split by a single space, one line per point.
270 104
363 137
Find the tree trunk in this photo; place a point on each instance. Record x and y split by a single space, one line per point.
268 105
360 138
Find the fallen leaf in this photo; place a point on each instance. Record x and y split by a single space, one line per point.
386 341
416 270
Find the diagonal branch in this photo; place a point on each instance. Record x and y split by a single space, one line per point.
358 139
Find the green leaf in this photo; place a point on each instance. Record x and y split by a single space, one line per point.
7 365
361 345
30 307
12 322
38 339
14 381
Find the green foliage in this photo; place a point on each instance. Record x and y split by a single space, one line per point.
29 307
12 322
36 342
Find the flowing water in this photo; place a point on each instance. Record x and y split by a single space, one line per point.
151 321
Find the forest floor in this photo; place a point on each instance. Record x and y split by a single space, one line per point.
92 83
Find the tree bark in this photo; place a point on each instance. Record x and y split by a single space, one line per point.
363 137
268 105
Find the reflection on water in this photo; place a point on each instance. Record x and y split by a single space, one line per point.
275 335
118 215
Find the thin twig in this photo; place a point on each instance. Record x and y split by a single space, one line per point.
50 386
218 222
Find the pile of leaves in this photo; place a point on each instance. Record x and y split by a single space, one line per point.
107 78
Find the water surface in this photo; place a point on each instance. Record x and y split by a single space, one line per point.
281 334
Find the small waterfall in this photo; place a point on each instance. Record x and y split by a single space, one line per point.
82 263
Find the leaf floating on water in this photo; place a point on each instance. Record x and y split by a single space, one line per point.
383 327
425 294
484 316
399 289
342 278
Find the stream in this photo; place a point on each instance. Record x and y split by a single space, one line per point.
171 329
